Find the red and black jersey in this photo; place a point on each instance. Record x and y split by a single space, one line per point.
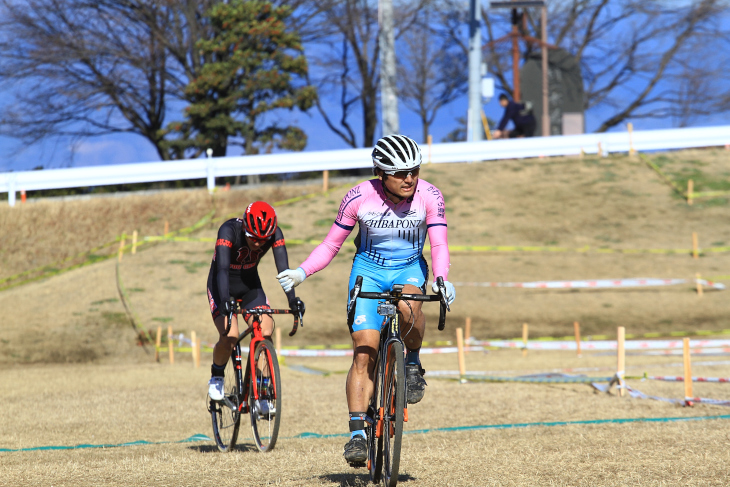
233 259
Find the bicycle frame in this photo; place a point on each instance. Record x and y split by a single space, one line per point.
257 336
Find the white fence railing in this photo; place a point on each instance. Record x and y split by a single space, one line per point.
11 182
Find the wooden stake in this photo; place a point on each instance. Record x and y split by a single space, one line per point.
630 126
325 181
690 191
621 359
576 330
158 339
134 242
167 228
429 141
193 341
460 349
121 247
170 347
524 339
695 246
699 285
600 152
687 372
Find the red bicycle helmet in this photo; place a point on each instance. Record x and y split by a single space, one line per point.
259 220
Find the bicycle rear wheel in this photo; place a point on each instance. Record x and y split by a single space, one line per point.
225 414
392 412
266 410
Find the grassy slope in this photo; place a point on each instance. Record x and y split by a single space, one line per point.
613 202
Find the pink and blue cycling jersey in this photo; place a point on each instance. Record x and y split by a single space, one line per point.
390 235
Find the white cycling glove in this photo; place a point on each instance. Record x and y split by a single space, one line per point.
450 291
291 278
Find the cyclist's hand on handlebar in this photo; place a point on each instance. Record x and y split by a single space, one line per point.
450 291
297 307
291 278
229 306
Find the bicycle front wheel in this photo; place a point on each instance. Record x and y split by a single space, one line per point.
225 414
393 411
266 409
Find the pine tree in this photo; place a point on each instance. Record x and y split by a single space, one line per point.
253 65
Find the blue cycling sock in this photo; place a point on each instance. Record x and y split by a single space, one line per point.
412 356
358 432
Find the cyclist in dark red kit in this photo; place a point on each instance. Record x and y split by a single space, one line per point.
234 275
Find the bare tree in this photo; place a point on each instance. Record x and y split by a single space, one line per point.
346 56
639 58
84 68
433 69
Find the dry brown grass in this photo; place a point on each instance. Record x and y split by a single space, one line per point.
43 232
162 403
71 373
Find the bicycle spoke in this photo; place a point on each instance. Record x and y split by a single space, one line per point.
265 410
225 414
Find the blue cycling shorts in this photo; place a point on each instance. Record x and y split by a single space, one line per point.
379 279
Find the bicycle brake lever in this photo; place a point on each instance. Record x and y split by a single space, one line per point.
442 292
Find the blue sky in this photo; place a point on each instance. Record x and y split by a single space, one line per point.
130 148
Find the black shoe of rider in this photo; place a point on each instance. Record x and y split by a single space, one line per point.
356 451
415 383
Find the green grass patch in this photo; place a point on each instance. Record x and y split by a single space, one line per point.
162 319
136 289
103 301
324 222
285 226
112 318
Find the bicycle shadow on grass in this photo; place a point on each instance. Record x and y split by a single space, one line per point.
356 479
214 449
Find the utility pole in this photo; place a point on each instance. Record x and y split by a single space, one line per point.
388 87
474 122
545 78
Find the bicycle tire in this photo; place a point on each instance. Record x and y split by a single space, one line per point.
393 404
375 440
225 415
266 412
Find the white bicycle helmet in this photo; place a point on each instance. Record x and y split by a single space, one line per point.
394 153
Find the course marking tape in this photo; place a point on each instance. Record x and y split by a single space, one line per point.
695 345
287 352
679 378
537 424
593 284
197 437
533 379
310 435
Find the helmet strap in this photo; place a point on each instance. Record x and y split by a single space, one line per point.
387 191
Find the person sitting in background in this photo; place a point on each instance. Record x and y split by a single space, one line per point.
521 116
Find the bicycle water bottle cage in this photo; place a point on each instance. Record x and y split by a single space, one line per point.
386 309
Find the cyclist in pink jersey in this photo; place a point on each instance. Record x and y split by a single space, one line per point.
395 213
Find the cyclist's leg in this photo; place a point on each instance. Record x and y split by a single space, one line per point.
226 342
223 348
413 327
365 333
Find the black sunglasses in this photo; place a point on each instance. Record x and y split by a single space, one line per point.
404 174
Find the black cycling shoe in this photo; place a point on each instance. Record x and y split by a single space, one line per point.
356 451
415 383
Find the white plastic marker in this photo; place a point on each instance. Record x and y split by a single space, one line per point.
595 284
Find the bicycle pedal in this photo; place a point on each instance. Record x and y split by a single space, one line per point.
357 464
